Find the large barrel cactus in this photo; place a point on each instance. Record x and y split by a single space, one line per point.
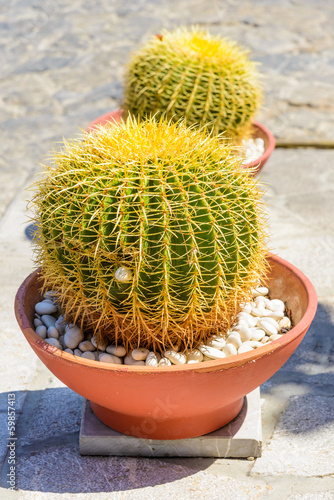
193 75
151 233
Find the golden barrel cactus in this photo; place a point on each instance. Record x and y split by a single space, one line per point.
190 74
151 234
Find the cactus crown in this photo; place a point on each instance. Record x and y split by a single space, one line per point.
193 75
150 233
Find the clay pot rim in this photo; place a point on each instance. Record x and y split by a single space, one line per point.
206 366
259 162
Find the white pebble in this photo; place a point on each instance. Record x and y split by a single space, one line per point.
152 359
250 321
211 352
53 342
253 343
109 358
88 355
48 300
260 290
37 322
244 332
220 338
194 356
206 358
119 351
53 332
73 337
49 296
284 323
68 350
268 327
276 314
272 321
276 304
41 331
61 340
239 322
128 360
260 312
258 334
164 362
48 320
177 358
275 337
265 340
140 354
86 346
218 344
230 350
101 345
260 142
234 339
261 301
61 324
77 352
244 348
45 307
247 307
123 274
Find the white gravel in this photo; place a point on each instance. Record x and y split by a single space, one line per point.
252 149
259 322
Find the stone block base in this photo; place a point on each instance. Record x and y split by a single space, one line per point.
241 438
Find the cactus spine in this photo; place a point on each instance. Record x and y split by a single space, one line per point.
151 233
193 75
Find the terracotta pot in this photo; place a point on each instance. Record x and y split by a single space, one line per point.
178 401
113 116
258 131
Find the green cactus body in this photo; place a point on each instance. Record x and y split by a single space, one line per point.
170 205
190 74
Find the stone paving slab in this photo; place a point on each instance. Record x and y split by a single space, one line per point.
300 189
303 441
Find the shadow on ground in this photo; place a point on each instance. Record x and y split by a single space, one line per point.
48 459
306 381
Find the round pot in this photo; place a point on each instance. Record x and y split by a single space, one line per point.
258 131
175 402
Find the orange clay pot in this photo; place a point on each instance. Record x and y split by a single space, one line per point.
181 401
258 131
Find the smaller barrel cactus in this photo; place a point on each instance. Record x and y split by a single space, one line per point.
151 233
193 75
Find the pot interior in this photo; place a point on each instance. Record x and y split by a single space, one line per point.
258 132
288 287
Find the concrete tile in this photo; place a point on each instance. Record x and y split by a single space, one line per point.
302 443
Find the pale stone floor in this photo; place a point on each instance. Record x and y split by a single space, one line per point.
61 66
